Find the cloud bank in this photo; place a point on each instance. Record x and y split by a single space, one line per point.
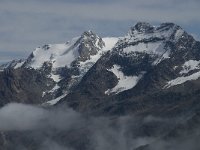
65 129
60 129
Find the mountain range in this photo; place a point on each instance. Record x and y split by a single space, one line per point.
150 76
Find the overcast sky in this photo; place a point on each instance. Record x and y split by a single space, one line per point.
27 24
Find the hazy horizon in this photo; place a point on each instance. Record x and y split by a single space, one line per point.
26 25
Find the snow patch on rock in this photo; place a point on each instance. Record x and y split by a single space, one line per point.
181 80
124 82
179 34
56 87
19 64
150 48
109 42
54 101
189 66
55 77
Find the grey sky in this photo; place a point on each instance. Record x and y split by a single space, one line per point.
26 24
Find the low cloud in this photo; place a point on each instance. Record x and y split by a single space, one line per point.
23 117
48 125
66 129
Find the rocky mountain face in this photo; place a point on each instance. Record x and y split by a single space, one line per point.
54 69
140 90
150 65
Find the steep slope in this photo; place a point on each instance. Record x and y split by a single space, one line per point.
150 65
61 65
23 86
13 64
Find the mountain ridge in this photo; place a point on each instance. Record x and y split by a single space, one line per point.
134 60
144 47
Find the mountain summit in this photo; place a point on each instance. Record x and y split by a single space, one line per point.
62 65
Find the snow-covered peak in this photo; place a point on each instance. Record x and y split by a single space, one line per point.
89 37
61 55
166 26
109 44
142 27
143 31
145 38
